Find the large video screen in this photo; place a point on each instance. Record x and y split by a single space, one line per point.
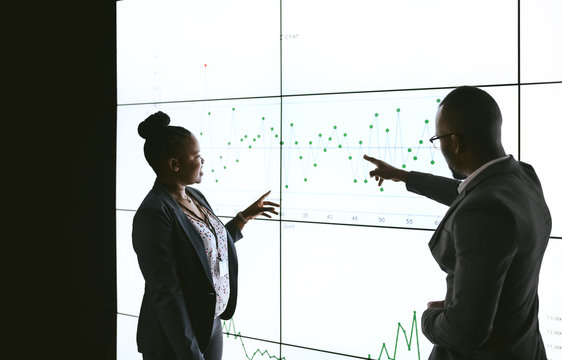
288 96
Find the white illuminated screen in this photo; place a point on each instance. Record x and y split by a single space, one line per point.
291 106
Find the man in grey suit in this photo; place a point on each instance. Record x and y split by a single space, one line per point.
490 242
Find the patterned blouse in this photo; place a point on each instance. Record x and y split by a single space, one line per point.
221 283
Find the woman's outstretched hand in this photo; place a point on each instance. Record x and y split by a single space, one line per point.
258 207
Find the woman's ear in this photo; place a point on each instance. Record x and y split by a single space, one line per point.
173 164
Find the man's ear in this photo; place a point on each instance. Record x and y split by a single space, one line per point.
459 145
173 164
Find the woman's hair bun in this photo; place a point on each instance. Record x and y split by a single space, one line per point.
153 125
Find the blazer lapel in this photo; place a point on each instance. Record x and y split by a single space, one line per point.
191 233
499 168
452 207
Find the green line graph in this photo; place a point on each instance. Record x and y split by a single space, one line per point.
400 328
229 329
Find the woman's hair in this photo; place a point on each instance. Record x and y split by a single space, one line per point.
162 141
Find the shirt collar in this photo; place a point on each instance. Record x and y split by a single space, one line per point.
479 170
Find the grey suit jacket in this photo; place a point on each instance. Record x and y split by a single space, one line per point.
178 306
490 244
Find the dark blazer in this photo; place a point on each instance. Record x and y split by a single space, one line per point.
178 306
491 244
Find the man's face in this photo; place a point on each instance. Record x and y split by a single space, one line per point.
446 143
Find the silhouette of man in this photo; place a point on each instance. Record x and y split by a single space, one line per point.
490 242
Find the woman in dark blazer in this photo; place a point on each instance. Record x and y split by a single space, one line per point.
185 253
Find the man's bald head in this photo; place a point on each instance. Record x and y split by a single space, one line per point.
473 114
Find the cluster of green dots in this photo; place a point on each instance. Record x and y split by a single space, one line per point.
387 130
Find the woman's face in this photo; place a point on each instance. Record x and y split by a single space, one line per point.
191 163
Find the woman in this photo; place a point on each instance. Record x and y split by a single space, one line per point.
185 253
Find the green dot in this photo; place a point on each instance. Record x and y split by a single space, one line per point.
335 127
286 186
229 143
409 149
355 180
271 129
224 167
296 142
276 135
220 157
217 180
325 149
310 143
398 110
415 157
241 139
245 136
305 179
263 117
282 143
291 124
339 146
382 189
315 165
201 133
370 126
330 138
427 121
237 160
438 100
259 136
209 113
365 181
319 135
432 162
360 142
387 130
376 114
212 170
344 134
403 166
254 139
250 146
421 141
349 158
300 157
233 109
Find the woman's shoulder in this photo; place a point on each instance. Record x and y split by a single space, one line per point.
154 201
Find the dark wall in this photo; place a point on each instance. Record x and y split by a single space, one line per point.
59 137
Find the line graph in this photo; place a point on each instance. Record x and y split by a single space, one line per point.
400 328
229 329
386 352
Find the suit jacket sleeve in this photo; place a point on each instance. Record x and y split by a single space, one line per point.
484 240
438 188
154 243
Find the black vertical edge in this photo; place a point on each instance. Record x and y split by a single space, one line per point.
519 80
280 179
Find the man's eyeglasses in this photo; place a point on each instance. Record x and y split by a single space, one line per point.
435 137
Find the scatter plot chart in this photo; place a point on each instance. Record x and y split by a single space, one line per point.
325 177
239 142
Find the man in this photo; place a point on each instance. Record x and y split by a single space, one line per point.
491 240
